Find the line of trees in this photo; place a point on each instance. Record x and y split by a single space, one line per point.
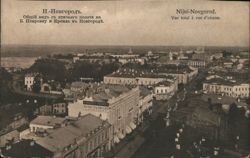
52 69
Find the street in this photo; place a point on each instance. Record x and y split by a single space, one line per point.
159 139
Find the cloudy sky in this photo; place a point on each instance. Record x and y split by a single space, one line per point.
129 23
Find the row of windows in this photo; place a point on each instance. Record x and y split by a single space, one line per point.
161 91
131 81
28 82
228 89
92 144
238 95
242 89
59 111
58 105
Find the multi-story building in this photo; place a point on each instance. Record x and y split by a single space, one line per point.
25 149
145 103
135 77
197 63
42 123
117 104
31 79
151 75
53 109
59 108
94 59
125 56
227 87
202 56
165 89
183 73
85 137
132 60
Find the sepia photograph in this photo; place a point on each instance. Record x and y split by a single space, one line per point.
124 79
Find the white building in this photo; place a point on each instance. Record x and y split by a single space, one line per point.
184 74
226 87
166 89
117 104
41 123
145 103
134 77
29 80
197 63
132 60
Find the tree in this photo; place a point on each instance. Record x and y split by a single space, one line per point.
51 69
6 95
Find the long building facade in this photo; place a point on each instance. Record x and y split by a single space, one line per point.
119 105
227 86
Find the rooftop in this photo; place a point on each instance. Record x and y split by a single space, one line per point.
164 83
26 149
79 84
132 73
221 99
31 74
100 94
172 68
220 81
240 76
70 134
48 120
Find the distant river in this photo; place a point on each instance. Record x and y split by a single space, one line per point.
22 62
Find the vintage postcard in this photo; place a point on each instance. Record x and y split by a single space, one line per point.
124 79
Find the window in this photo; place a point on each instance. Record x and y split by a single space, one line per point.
90 146
86 148
102 136
99 139
95 142
106 134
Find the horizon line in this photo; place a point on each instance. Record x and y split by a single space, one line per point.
108 45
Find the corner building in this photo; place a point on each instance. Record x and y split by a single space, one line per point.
117 104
